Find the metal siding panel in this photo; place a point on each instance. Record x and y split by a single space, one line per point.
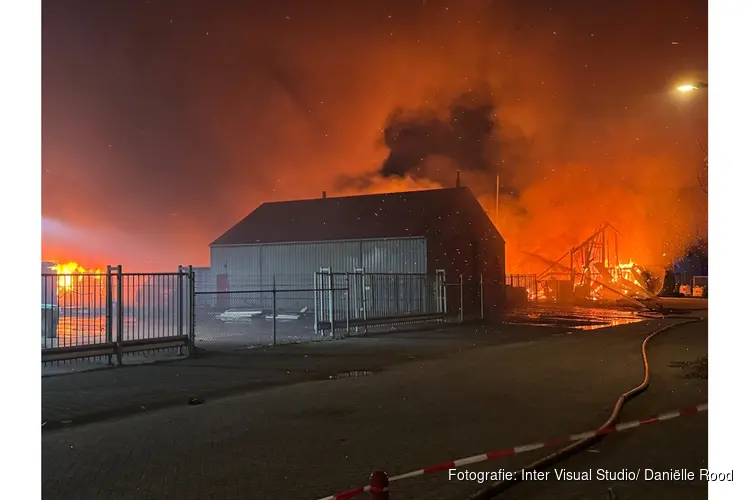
296 263
217 257
397 255
205 279
241 263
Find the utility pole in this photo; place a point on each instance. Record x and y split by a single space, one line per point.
497 200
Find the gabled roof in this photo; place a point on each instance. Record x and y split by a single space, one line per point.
393 215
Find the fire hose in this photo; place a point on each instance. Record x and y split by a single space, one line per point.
501 486
379 480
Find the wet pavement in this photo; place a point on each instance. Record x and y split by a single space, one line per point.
67 367
440 395
580 318
126 390
355 373
212 333
93 395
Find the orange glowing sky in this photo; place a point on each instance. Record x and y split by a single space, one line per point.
163 123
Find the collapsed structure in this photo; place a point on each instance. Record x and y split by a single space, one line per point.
593 270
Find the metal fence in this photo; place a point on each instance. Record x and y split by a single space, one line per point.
334 304
111 315
525 283
248 318
361 300
700 286
115 314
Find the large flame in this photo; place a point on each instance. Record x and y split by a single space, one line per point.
592 270
71 273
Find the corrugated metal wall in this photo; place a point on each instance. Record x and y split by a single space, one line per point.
407 255
236 260
205 279
294 264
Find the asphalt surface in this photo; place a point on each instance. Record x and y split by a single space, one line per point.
676 444
88 396
299 435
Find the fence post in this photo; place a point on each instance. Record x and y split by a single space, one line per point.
481 295
438 293
348 305
191 311
180 300
379 485
331 297
441 292
444 292
108 311
422 293
364 298
316 295
274 308
120 318
438 300
461 293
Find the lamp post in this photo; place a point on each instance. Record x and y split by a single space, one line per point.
691 87
686 89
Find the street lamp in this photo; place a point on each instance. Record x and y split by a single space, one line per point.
689 87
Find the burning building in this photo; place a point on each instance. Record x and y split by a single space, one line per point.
406 232
69 290
72 287
594 270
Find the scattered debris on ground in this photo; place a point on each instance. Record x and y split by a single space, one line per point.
693 369
356 373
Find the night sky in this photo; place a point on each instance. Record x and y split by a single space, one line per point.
166 121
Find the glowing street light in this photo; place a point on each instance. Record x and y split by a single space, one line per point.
692 86
687 88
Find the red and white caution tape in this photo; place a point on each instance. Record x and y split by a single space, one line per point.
346 495
516 450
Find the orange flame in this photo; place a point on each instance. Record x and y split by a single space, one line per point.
71 273
606 282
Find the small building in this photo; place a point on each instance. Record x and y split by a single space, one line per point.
49 283
286 243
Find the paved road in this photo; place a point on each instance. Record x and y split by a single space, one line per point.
676 444
313 438
95 395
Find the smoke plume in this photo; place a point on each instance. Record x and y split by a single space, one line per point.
169 122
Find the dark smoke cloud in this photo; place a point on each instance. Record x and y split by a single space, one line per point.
465 136
468 135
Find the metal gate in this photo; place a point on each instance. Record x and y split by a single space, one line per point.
115 314
354 301
305 310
